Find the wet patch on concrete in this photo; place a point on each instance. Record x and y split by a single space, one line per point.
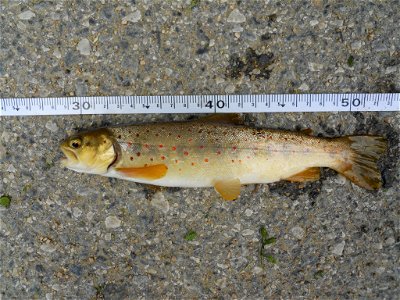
256 66
294 190
387 84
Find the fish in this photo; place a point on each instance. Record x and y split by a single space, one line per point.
220 151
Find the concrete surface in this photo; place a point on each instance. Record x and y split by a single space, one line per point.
77 236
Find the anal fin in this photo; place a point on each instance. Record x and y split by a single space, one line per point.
310 174
149 173
229 189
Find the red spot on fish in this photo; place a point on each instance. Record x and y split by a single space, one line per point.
234 148
219 152
201 147
270 137
190 140
162 157
176 161
186 153
192 163
138 154
206 160
173 148
131 157
160 146
190 130
129 144
179 136
248 157
146 146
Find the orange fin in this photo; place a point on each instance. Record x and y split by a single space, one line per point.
234 119
229 189
307 131
150 172
310 174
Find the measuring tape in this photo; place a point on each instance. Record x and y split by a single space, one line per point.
199 104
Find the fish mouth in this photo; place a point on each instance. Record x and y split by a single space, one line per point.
70 156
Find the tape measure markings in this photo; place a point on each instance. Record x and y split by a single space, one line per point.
199 104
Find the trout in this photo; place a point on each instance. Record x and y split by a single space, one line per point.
220 152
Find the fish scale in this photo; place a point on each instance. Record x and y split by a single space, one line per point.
228 150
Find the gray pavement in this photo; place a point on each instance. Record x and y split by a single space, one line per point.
79 236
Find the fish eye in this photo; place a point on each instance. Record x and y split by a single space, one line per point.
75 143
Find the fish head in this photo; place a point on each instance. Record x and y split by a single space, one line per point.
89 152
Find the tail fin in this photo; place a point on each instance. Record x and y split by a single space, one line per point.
361 165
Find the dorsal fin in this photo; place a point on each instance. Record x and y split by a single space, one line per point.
233 119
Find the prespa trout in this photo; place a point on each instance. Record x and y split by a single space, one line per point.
217 152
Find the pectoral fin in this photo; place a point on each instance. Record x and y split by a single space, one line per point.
310 174
150 172
229 189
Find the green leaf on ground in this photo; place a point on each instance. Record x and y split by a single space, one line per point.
190 235
5 201
350 61
271 259
270 241
318 274
265 239
194 3
263 233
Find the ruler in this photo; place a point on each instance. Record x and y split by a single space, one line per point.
199 104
